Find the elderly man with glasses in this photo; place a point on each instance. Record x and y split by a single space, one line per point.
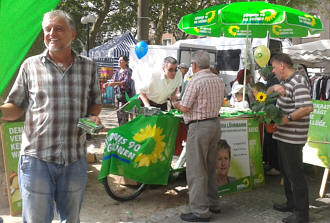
162 85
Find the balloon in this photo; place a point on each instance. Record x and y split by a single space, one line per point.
262 55
141 49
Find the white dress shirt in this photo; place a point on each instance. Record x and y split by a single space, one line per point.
159 89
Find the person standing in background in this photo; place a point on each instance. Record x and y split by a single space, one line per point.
54 90
296 104
121 82
200 105
269 146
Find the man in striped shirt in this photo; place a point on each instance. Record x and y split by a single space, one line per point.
200 105
296 104
54 90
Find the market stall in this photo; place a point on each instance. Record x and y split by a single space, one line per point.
106 57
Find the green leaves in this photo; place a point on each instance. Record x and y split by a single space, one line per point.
267 111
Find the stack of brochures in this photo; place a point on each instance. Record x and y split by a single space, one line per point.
89 126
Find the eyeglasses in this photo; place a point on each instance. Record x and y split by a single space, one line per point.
173 69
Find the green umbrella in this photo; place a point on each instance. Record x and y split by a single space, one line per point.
250 19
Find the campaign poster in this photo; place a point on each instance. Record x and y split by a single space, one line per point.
11 142
233 163
257 170
317 149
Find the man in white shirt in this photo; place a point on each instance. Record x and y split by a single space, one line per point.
162 85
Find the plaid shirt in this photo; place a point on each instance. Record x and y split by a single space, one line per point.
203 96
54 101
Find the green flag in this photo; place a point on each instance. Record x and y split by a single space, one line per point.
20 24
142 149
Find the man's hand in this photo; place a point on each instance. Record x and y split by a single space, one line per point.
95 119
277 88
176 104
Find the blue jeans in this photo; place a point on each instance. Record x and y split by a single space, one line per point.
41 183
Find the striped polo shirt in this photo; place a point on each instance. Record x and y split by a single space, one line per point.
297 95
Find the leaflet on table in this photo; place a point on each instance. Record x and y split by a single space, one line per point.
227 112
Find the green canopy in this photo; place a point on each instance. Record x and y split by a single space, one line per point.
20 24
250 19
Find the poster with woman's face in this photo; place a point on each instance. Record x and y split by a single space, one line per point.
233 166
223 165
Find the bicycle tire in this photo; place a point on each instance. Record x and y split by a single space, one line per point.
121 192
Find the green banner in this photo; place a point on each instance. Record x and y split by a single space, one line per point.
20 24
317 148
142 149
11 142
257 170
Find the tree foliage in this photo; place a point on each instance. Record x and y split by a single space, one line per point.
120 16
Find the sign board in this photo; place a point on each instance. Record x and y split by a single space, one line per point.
317 149
257 170
235 132
11 142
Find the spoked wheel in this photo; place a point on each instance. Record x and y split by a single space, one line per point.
118 189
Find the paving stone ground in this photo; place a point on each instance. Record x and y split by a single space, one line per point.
255 206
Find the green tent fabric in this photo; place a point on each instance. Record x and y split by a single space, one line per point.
20 24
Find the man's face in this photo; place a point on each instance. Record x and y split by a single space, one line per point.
223 162
170 70
278 68
57 34
183 71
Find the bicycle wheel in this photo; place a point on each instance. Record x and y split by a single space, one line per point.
118 190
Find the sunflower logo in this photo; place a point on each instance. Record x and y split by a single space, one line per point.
313 21
275 31
156 134
261 96
233 30
270 17
197 30
246 182
211 17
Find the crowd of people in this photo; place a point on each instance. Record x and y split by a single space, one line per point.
56 88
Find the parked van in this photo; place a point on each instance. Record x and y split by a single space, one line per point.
226 54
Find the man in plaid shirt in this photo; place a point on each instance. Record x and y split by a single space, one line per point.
200 105
54 90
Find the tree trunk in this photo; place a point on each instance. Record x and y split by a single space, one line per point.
143 21
96 26
161 23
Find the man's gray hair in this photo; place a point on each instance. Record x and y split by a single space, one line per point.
60 13
201 58
170 60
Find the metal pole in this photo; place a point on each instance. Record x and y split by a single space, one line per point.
87 39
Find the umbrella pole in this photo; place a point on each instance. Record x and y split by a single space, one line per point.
245 61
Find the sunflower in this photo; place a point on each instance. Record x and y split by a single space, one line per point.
261 96
155 133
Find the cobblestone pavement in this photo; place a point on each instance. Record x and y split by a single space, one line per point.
255 206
